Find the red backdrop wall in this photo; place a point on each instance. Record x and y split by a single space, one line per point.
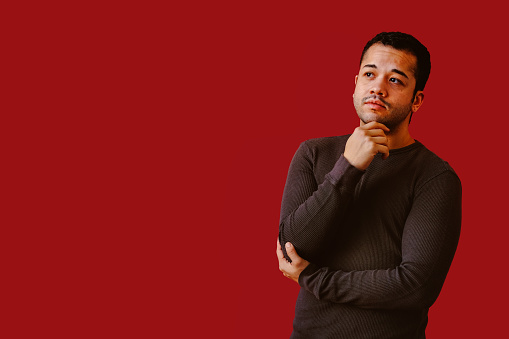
149 144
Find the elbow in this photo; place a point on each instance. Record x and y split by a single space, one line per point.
303 246
417 300
286 235
420 291
423 299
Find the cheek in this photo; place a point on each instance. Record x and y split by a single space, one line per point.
356 90
404 96
356 100
361 88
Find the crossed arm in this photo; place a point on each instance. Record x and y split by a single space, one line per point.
429 241
310 212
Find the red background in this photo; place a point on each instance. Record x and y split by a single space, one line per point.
146 147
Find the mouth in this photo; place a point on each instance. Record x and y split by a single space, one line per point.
375 104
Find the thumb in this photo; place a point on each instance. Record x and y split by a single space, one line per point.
292 253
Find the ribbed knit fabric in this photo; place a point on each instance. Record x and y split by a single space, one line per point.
380 241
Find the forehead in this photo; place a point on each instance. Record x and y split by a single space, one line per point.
387 57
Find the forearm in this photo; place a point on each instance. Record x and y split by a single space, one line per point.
429 241
404 287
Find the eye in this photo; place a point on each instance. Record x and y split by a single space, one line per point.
394 80
369 74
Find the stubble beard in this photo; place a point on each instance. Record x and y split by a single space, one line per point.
396 114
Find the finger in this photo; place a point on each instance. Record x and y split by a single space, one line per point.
380 140
374 124
292 253
279 251
377 132
384 150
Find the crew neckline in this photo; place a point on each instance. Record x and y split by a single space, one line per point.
410 147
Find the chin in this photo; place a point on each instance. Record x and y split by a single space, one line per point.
369 117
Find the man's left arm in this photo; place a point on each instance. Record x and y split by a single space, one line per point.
430 238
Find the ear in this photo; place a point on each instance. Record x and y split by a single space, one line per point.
418 100
355 80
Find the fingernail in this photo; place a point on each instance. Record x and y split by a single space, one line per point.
288 245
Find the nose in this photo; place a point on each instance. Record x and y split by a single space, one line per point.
378 88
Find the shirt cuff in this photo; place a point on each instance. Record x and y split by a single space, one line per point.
308 273
345 173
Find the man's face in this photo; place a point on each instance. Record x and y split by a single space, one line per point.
385 85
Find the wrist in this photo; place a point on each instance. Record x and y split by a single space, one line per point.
352 162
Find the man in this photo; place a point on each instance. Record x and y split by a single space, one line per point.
370 221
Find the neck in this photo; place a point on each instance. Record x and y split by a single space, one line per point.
399 140
399 136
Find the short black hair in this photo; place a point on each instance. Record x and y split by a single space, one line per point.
406 42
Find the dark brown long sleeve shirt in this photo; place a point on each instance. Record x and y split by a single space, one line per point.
380 241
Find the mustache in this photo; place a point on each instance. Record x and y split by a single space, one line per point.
375 97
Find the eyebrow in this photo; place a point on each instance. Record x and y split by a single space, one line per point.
395 70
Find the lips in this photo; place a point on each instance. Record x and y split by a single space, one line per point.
376 104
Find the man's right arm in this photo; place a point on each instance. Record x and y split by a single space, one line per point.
310 212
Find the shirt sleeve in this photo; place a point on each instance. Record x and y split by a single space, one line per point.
310 211
429 241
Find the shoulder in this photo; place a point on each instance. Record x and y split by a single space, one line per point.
326 144
321 154
432 167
